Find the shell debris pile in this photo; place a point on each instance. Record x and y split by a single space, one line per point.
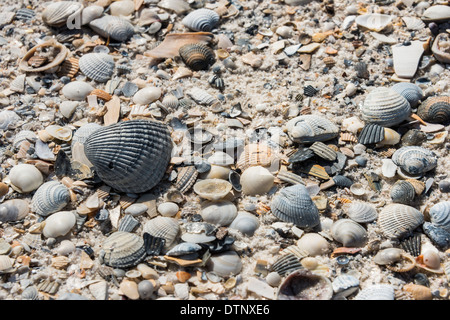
224 150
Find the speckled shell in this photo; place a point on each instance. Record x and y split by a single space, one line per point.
323 151
197 56
61 55
371 133
398 220
435 110
305 285
385 107
415 160
14 210
293 204
349 233
123 250
97 66
57 14
376 292
225 264
163 227
311 128
116 28
402 192
130 156
410 91
186 178
362 212
246 223
50 197
438 235
440 215
220 213
201 20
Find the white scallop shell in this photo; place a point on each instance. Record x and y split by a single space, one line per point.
256 180
170 101
225 264
201 20
385 107
440 215
50 197
7 119
362 212
62 12
163 227
397 220
245 222
376 292
59 224
311 128
97 66
349 233
116 28
374 21
25 178
220 213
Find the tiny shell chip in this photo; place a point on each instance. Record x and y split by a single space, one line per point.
362 212
201 20
398 220
212 189
123 250
311 128
293 204
415 160
376 292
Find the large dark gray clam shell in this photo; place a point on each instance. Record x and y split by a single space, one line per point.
293 204
123 249
130 156
415 160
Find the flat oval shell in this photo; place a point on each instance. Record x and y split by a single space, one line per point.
398 220
349 233
59 224
362 212
373 21
25 178
123 249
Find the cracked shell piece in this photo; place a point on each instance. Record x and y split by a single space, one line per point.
163 227
371 133
415 160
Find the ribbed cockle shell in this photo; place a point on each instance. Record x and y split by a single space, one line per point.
197 56
123 249
398 220
311 128
435 110
97 66
116 28
415 160
50 197
201 20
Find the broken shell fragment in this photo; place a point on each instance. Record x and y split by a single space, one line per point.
201 20
305 285
52 51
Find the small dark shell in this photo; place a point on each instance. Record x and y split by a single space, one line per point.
435 110
301 155
323 151
197 56
153 245
402 192
437 235
412 244
286 264
342 181
413 137
309 91
371 133
24 14
361 70
130 156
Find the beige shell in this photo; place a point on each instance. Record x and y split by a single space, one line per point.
25 178
395 259
225 264
397 220
314 244
255 154
349 233
220 213
60 133
56 51
147 95
59 224
256 180
418 292
212 189
63 12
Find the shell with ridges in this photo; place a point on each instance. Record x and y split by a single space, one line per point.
59 13
435 110
286 264
410 91
402 192
344 282
311 128
362 212
186 178
293 204
398 220
255 154
371 133
373 21
349 233
440 215
14 210
123 250
212 189
376 292
197 56
163 227
415 160
323 151
201 20
440 47
97 66
130 151
385 107
116 28
220 213
50 197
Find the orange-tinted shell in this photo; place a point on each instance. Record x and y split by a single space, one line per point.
418 292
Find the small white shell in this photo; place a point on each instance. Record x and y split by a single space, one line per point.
25 178
121 8
256 180
245 222
59 224
220 213
376 292
375 22
147 95
314 244
7 119
436 13
311 128
97 66
60 133
361 212
50 197
201 20
349 233
225 264
168 209
77 90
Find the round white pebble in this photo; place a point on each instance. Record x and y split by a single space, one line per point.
168 209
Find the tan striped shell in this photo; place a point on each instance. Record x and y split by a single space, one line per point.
197 56
69 67
398 220
255 154
60 53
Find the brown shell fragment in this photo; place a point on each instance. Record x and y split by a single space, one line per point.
172 43
69 68
257 154
53 51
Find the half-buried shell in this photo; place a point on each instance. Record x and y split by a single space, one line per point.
201 20
410 91
435 110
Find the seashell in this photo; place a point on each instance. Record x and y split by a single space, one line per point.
201 96
212 189
122 250
172 43
371 133
163 227
116 28
97 66
225 264
60 133
130 151
145 289
376 292
349 233
25 178
399 220
415 160
440 48
293 204
305 285
437 235
410 91
122 8
413 23
362 70
24 14
168 209
56 14
6 264
418 292
430 260
286 264
437 13
221 159
440 215
18 84
413 137
197 56
256 180
153 245
310 128
199 232
407 58
59 224
186 178
184 248
128 223
412 244
361 212
255 154
77 90
388 256
435 110
170 101
345 284
54 51
23 135
313 244
246 223
385 107
342 181
357 189
323 151
8 119
30 293
50 197
14 210
391 137
374 21
147 95
90 13
290 177
402 192
201 20
220 213
65 248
